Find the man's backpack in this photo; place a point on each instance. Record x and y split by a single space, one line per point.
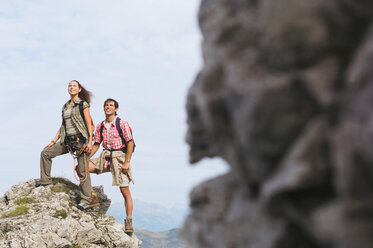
117 124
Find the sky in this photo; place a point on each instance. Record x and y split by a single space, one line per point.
143 53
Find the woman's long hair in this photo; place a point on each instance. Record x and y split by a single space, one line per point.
84 94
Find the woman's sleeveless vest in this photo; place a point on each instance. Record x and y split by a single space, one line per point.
77 119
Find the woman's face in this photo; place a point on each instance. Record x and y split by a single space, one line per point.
74 88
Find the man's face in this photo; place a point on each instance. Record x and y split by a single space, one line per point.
109 108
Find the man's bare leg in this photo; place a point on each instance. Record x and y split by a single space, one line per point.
128 203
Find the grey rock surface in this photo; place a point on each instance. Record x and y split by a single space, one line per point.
47 216
285 96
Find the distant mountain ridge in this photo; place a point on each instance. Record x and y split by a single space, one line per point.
150 216
166 239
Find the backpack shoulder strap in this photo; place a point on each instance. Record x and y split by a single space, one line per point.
101 129
82 114
117 124
81 110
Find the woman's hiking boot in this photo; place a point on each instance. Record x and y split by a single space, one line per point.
38 183
94 203
94 200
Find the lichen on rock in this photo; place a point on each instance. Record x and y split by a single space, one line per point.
47 216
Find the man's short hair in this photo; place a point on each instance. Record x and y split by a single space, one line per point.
116 104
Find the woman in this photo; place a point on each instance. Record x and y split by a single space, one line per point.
75 135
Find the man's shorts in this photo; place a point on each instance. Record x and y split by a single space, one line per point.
119 178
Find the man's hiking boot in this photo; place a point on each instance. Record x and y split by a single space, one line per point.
94 203
128 225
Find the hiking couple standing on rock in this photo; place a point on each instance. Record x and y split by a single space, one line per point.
76 136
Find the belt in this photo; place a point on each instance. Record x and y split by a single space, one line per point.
75 137
111 155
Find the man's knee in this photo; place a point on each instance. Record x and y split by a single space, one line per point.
125 191
92 168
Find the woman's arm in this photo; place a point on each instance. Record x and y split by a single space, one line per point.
54 141
88 121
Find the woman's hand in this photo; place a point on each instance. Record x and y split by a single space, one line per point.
88 149
50 144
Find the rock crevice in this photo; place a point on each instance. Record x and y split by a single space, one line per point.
47 216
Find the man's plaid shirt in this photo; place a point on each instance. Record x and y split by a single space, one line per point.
115 140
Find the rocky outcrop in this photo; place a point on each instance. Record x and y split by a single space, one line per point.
48 217
284 97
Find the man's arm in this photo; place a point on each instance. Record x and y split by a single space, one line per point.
126 164
94 149
97 141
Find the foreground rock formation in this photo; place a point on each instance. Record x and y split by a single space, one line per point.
41 217
285 96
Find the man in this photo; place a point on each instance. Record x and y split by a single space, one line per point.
116 155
